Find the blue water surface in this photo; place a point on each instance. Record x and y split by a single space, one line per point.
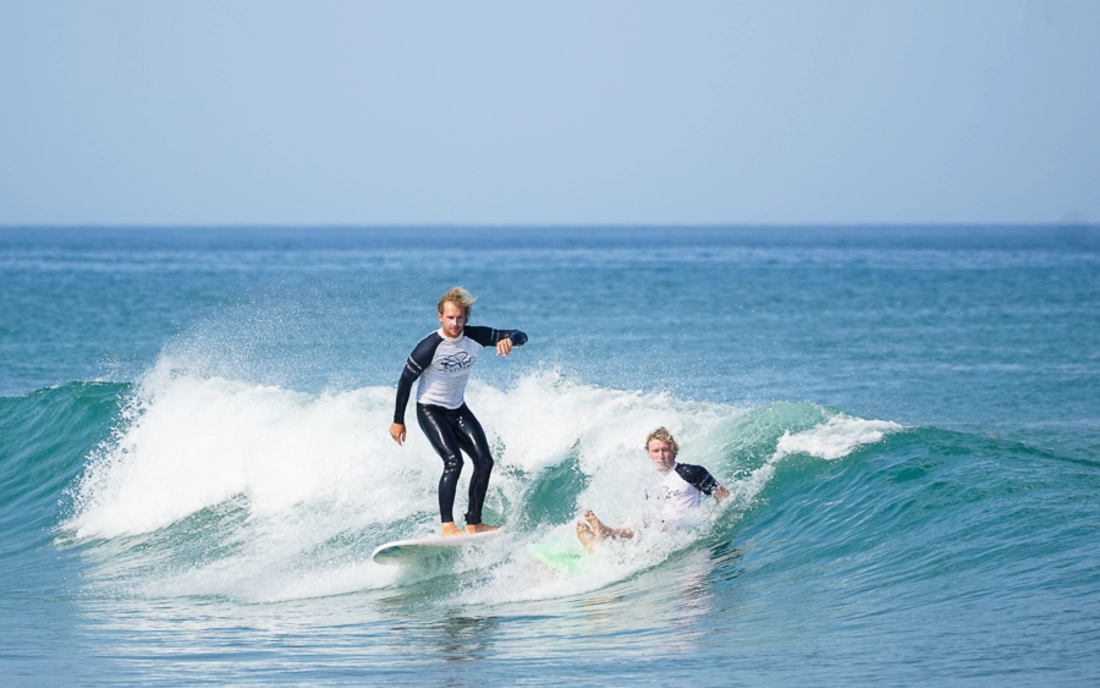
194 464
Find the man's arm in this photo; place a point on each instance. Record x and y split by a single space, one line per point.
419 359
701 479
504 340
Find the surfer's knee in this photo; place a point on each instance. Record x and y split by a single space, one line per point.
485 463
452 463
481 459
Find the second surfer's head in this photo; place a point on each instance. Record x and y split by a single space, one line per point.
661 447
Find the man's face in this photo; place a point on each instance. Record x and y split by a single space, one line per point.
662 454
453 320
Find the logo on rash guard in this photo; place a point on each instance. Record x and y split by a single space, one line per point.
666 493
456 362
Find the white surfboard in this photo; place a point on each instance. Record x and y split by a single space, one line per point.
404 552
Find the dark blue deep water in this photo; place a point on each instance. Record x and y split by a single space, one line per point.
195 464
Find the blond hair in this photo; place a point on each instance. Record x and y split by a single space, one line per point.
459 297
662 435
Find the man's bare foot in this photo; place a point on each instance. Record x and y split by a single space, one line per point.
480 528
448 529
598 530
601 531
585 535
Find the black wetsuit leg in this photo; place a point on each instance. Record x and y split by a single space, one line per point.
450 432
472 440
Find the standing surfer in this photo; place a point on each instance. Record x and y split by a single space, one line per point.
442 361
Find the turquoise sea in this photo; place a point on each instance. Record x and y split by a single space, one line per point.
195 464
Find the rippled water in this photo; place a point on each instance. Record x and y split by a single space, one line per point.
194 466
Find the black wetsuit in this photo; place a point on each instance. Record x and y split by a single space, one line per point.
443 366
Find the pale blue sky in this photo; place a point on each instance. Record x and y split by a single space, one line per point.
761 111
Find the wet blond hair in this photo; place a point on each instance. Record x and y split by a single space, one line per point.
662 435
459 297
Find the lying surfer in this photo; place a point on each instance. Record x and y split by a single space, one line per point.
442 362
681 491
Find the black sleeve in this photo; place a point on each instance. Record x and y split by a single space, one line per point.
419 359
487 336
698 477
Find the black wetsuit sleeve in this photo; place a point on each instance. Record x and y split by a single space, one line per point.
419 359
698 477
487 336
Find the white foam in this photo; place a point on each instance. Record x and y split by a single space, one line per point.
836 438
521 578
190 444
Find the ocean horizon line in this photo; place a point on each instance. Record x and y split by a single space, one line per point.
732 226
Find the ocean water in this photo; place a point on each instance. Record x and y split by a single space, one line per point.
195 465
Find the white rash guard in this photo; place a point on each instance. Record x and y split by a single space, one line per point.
443 366
681 490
